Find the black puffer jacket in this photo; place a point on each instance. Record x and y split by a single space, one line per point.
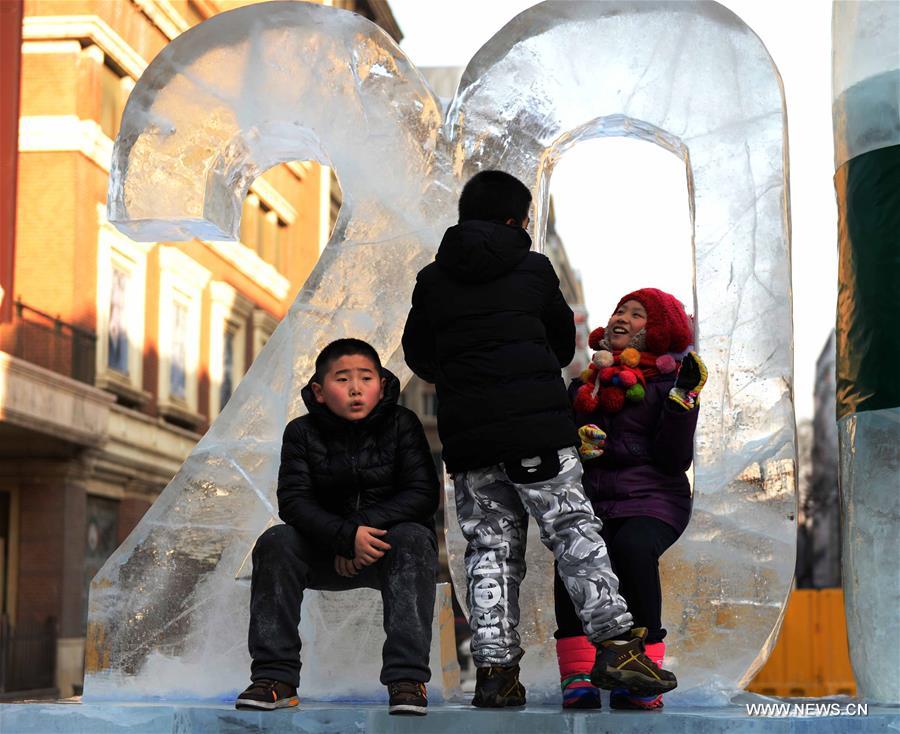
336 474
490 328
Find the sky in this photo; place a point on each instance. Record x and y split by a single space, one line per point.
797 34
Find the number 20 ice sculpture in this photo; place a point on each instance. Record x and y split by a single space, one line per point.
277 82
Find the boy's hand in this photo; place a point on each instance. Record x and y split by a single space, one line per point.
690 381
592 442
368 546
345 566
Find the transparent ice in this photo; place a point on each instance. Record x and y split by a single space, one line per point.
866 115
276 82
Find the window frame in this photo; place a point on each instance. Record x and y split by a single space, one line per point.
181 279
229 313
115 250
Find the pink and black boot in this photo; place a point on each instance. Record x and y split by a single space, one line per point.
576 658
619 698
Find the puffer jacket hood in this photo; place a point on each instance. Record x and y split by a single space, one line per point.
476 251
329 421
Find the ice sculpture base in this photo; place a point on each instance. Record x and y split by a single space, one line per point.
49 718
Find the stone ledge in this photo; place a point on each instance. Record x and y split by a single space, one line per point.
41 400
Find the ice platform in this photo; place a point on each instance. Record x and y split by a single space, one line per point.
106 718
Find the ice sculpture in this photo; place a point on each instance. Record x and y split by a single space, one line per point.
694 79
866 114
220 104
274 82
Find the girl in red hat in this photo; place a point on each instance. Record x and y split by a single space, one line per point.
636 408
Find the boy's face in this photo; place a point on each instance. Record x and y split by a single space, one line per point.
351 388
625 323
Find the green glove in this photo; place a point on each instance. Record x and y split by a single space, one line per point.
690 381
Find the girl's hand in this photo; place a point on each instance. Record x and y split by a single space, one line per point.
592 442
690 381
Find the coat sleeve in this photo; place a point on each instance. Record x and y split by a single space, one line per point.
415 480
419 348
298 505
559 322
673 443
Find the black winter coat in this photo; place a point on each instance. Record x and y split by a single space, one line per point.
490 328
336 475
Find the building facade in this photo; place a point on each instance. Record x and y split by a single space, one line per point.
115 356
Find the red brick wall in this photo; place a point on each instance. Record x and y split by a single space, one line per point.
131 510
51 552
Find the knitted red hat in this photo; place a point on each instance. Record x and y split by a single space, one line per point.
668 326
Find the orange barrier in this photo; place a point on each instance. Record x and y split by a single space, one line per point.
811 657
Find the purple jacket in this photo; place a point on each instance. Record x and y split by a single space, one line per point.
649 447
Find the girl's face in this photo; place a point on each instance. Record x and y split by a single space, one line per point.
625 323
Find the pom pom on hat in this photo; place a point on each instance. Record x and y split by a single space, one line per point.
607 373
596 336
665 364
587 375
668 326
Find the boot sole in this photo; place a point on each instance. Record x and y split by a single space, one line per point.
636 683
283 703
407 709
499 703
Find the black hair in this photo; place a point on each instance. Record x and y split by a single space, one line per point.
494 196
343 348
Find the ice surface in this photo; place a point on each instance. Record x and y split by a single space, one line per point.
284 81
870 504
865 77
866 113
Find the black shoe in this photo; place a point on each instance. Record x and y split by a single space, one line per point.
267 694
498 687
623 664
407 697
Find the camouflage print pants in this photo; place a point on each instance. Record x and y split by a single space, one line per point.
492 511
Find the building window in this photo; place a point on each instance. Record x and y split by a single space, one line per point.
263 231
263 327
117 342
229 315
182 281
121 290
178 350
229 378
102 523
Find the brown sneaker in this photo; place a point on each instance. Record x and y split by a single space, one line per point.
498 687
623 664
407 697
267 694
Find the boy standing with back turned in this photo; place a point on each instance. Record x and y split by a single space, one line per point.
490 328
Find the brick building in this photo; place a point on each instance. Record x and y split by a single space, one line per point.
114 355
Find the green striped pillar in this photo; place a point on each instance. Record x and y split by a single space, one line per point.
866 115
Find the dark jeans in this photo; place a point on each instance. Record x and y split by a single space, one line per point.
635 545
285 564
